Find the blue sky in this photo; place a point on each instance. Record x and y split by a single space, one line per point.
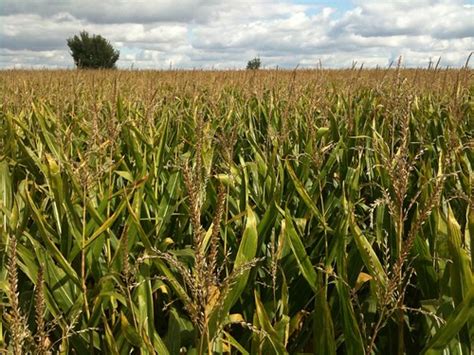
342 5
225 34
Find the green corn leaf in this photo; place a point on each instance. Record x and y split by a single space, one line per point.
352 336
462 314
323 327
233 342
106 225
368 255
266 325
245 254
109 338
132 336
304 263
305 196
45 233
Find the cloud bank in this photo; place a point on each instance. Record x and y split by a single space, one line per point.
225 34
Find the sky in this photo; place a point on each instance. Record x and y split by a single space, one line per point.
225 34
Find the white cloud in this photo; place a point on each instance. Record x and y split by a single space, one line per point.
112 11
33 59
439 19
225 34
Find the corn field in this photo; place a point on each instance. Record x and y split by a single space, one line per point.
244 212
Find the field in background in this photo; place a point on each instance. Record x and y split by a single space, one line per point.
261 212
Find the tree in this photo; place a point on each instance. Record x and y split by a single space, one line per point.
254 64
92 52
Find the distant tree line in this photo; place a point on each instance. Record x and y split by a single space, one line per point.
95 52
92 52
254 64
